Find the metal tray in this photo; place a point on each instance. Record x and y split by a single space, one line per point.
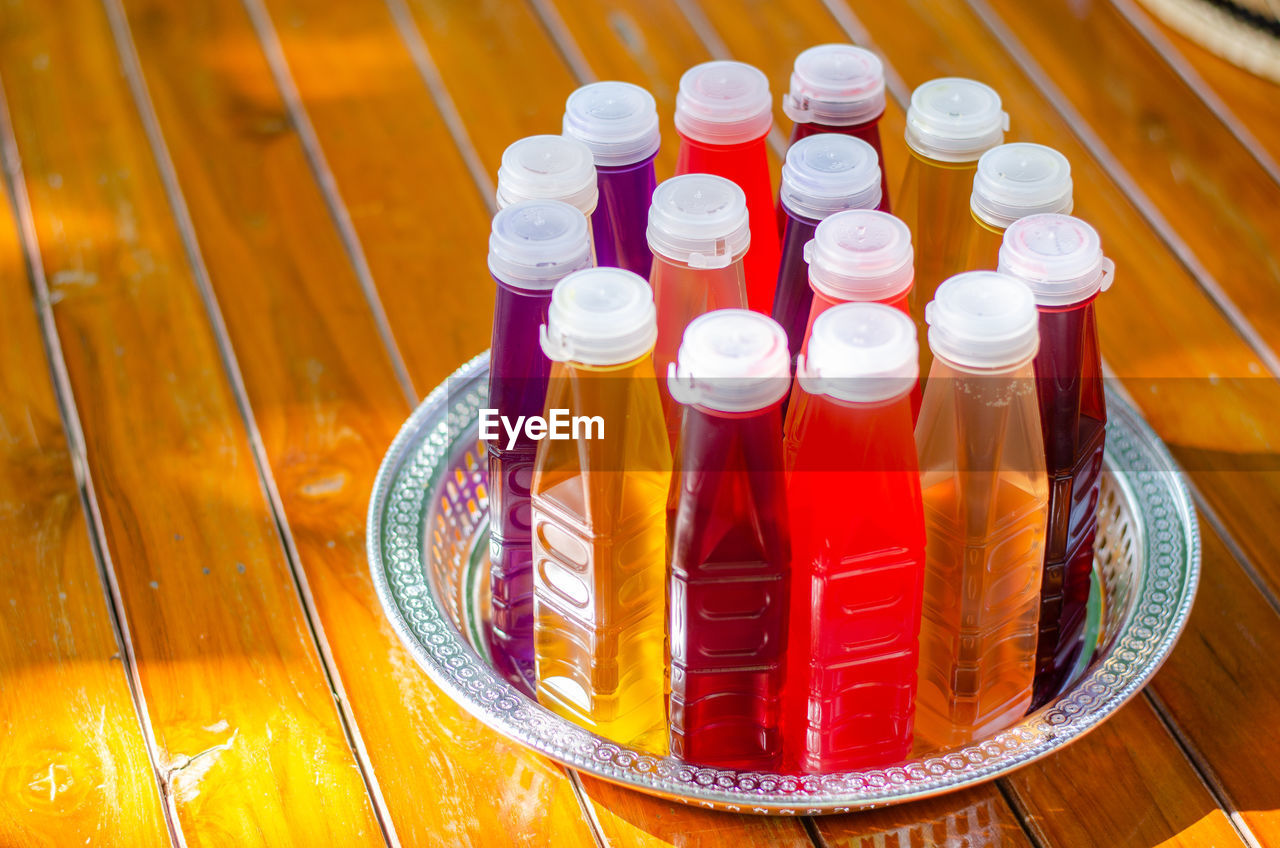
428 553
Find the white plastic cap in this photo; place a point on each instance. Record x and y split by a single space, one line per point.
861 254
1058 257
700 220
829 172
731 360
838 85
617 120
534 243
724 103
548 167
955 120
983 319
1020 179
600 316
860 352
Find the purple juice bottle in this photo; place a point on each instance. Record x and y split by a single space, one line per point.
728 545
1060 259
618 121
533 245
823 174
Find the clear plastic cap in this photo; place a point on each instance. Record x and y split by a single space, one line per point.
724 103
700 220
617 120
861 254
600 316
955 120
534 243
1020 179
828 172
1058 257
548 167
983 319
838 85
731 360
860 352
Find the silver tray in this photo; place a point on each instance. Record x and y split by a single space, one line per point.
428 553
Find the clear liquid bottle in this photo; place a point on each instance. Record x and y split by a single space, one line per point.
549 167
729 552
823 175
838 88
986 508
950 123
618 121
599 514
699 235
1012 182
1060 259
723 115
858 538
533 245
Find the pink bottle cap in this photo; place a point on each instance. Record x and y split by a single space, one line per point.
1058 257
837 85
723 103
860 254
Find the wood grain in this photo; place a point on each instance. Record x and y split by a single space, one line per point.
973 818
74 765
251 748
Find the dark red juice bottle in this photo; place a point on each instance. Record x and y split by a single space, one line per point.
1060 259
727 543
723 114
534 243
857 533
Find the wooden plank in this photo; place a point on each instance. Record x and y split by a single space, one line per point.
975 818
251 748
73 767
327 403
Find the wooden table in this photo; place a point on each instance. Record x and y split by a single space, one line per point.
242 239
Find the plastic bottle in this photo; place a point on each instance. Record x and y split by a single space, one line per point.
533 245
823 175
618 121
1060 259
729 551
698 232
858 542
548 167
950 123
599 514
838 88
1012 182
985 506
723 114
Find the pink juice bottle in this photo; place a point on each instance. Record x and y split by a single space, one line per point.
618 121
838 88
548 167
533 245
857 534
727 548
823 175
1014 181
1060 259
723 114
698 232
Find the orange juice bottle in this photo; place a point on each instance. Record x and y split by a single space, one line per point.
1012 182
599 513
950 123
986 509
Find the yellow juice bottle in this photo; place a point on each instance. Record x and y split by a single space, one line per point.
599 513
950 123
985 497
1013 181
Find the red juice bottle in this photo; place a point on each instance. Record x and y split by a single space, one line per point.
1060 259
727 548
823 175
857 535
1014 181
534 244
838 88
723 114
548 167
618 121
